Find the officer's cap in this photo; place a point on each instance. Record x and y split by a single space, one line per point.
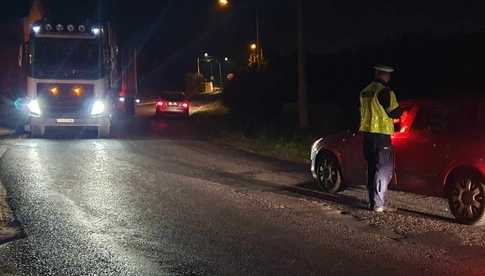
384 68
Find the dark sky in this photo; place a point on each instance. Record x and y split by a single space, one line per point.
330 25
171 33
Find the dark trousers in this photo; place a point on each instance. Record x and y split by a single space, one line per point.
380 166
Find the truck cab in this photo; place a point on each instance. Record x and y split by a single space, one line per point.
68 77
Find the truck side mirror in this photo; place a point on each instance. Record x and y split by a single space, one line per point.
20 55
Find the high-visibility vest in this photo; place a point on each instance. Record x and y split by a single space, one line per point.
373 116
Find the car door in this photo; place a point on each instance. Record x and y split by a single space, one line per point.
422 152
354 164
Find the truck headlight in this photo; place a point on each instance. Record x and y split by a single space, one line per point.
34 107
98 107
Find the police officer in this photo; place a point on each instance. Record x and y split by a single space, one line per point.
378 108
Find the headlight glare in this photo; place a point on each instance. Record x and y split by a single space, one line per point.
34 107
98 108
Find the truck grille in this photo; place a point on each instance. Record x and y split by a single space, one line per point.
72 100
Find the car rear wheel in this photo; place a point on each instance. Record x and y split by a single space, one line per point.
466 198
329 176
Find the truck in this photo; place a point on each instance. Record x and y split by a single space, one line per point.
71 76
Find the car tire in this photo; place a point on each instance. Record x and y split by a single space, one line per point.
37 131
329 174
466 198
104 131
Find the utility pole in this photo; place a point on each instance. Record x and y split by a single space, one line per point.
135 58
259 48
221 81
302 88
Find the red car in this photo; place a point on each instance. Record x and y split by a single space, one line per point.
173 103
439 152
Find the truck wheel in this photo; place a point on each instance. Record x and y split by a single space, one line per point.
104 131
329 176
37 131
466 198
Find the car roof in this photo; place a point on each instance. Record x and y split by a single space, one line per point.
442 101
164 93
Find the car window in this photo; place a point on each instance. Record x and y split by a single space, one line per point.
480 119
173 97
445 118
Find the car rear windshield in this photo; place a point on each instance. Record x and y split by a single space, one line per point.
176 97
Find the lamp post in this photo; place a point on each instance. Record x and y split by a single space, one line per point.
206 55
258 48
209 59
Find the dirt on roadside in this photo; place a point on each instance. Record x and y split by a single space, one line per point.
8 230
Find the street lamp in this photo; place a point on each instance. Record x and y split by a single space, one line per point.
258 45
223 3
226 59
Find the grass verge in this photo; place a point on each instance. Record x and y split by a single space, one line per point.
284 142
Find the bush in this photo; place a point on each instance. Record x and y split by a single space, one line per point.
253 98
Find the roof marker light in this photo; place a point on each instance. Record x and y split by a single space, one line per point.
70 28
95 30
36 29
48 27
81 28
59 28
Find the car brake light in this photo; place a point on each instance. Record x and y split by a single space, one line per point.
185 105
160 103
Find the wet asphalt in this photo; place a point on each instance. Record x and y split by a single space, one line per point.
160 199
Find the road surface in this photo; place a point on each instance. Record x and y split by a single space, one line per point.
160 199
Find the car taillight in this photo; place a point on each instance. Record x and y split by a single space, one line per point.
185 105
160 103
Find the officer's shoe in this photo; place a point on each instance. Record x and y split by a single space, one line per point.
379 209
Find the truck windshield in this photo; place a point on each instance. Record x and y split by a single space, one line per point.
66 58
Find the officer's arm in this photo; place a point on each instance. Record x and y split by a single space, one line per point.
385 101
396 113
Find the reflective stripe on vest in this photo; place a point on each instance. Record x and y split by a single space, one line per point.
373 117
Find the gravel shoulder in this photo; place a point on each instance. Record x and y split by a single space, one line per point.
8 229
